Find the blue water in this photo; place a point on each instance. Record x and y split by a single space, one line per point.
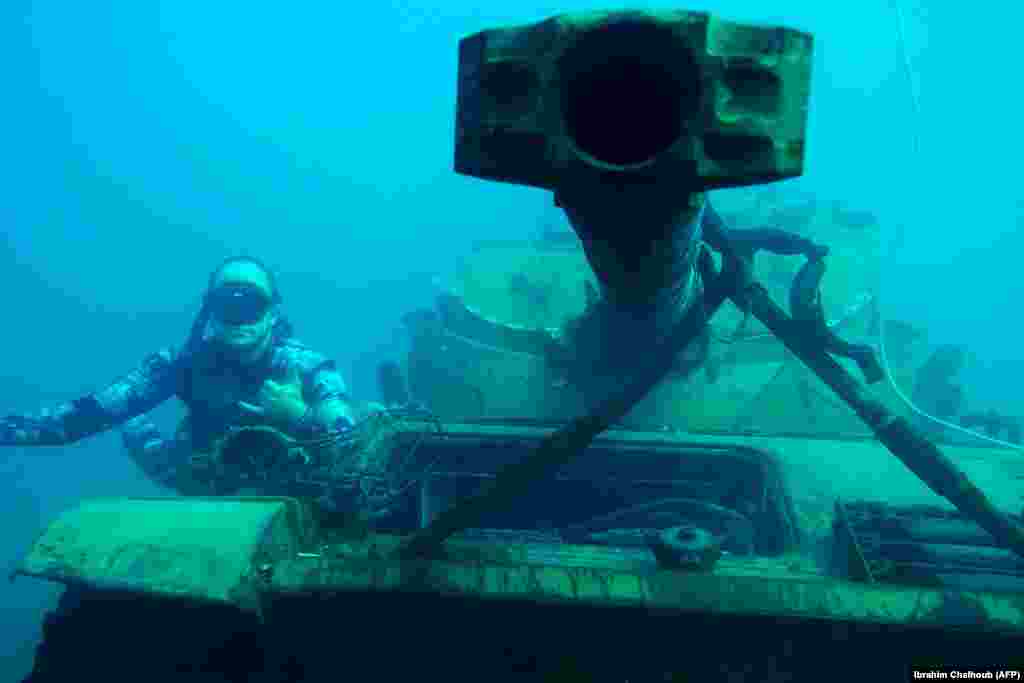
145 141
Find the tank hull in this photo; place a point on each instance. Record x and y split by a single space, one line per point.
402 635
509 601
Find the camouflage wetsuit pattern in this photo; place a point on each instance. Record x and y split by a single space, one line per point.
210 387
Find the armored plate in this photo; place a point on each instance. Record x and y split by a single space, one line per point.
204 550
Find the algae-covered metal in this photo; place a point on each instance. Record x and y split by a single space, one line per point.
784 587
503 322
781 560
550 574
730 100
204 550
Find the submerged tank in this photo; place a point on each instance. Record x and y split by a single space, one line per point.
739 522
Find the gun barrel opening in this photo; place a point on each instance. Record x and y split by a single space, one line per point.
629 90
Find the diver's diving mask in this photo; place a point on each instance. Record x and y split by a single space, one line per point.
239 304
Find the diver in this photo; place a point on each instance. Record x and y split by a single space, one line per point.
239 366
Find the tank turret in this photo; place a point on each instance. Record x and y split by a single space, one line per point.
492 347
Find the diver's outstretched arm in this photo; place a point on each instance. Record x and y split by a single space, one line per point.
141 390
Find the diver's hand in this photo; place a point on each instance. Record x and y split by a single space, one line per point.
280 402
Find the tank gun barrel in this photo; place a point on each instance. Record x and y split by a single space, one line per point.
629 117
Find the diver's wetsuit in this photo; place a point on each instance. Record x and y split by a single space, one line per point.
210 385
212 392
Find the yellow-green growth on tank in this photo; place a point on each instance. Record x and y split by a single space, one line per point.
485 354
206 550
